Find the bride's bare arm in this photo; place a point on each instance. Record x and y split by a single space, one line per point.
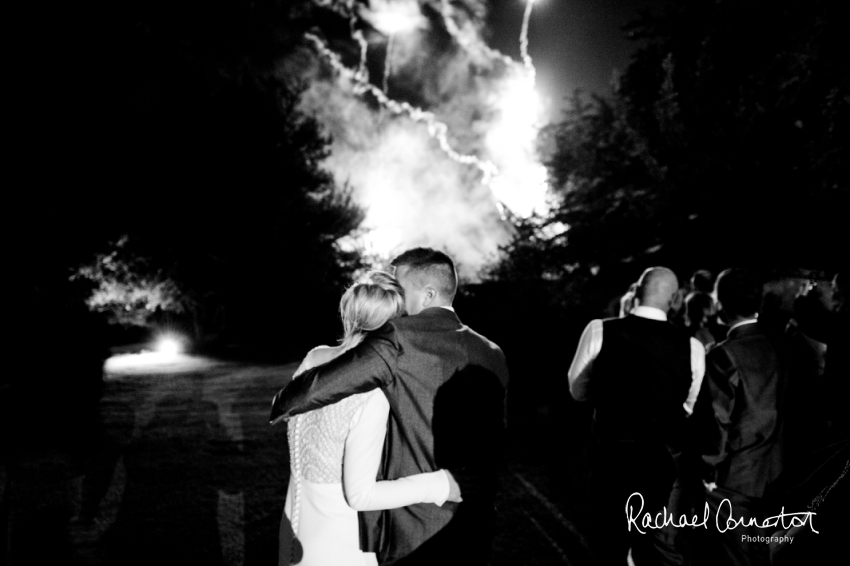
363 448
316 357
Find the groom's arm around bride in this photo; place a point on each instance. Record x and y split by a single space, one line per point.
446 388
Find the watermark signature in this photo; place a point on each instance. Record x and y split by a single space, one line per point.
722 521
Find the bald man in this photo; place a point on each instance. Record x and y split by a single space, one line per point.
643 380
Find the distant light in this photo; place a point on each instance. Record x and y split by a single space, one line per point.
169 346
154 363
165 355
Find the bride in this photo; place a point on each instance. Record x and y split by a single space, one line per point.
335 451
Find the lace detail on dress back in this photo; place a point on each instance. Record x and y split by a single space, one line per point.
317 439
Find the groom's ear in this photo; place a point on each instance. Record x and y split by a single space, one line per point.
430 294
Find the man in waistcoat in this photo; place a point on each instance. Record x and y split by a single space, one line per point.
642 375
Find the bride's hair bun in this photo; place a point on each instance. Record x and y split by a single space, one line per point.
369 304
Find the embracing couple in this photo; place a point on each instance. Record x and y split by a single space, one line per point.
396 434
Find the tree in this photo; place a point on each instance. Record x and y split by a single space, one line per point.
190 148
127 289
721 145
745 104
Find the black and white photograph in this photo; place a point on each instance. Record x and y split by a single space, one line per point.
427 283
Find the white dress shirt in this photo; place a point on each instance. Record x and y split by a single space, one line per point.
590 345
742 323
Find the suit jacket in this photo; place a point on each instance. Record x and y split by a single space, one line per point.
833 329
741 411
446 387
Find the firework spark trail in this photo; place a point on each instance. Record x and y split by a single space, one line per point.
388 63
523 42
357 35
362 71
465 40
345 8
436 129
506 141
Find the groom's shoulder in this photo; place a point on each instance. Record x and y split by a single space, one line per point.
389 332
485 353
483 345
480 338
431 320
400 329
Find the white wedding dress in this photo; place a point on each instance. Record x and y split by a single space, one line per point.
321 500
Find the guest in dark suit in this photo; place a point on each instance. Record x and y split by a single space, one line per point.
831 326
820 484
446 387
740 415
642 374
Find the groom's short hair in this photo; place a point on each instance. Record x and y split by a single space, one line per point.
436 266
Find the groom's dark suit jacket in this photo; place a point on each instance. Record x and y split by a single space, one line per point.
446 387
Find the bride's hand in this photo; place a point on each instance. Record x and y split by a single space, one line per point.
454 489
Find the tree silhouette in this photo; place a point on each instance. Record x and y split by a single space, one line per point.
188 145
720 145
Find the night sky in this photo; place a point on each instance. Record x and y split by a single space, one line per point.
574 43
92 80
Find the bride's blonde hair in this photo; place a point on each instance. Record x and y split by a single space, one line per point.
368 305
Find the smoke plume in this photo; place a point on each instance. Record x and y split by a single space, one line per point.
440 139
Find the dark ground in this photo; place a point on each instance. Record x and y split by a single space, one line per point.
182 467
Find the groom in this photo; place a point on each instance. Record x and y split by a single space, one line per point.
446 388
